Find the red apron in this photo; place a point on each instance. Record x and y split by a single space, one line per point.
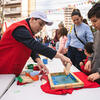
13 54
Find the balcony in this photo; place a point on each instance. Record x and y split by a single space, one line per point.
12 12
11 2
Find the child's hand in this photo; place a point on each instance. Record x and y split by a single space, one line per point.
65 50
81 64
88 66
94 76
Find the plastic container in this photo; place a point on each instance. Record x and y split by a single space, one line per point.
33 75
45 61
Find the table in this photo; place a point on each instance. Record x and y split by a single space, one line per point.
33 91
5 82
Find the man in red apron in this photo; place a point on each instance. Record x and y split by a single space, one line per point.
18 44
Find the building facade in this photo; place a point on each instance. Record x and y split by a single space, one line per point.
15 10
67 17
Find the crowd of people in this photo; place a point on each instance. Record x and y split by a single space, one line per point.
79 46
82 46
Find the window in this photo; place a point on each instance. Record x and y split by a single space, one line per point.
12 0
12 9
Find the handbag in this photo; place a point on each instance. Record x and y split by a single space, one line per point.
77 36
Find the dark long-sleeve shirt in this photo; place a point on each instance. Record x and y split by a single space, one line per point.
23 35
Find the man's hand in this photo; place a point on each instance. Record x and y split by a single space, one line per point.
81 64
42 67
63 58
88 66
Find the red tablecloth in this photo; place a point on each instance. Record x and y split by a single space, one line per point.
87 84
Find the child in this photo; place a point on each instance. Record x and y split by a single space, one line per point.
88 50
93 63
62 41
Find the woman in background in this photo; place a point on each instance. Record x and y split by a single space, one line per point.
74 45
